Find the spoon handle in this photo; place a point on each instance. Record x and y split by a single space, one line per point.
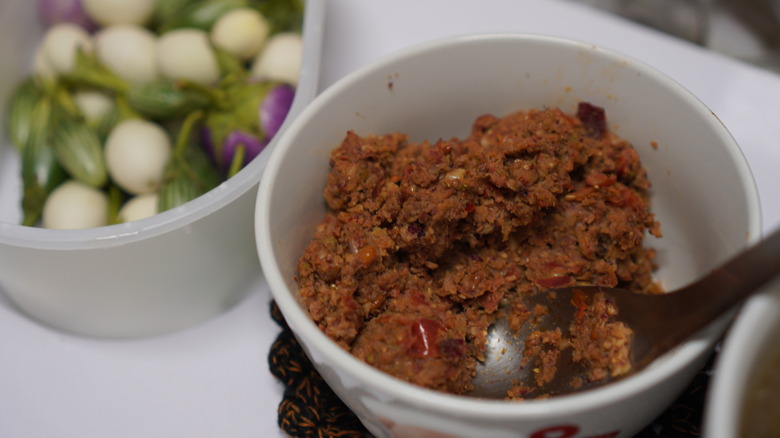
732 282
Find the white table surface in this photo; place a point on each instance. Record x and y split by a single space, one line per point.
212 380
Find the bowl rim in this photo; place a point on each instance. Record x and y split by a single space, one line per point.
464 406
730 381
210 202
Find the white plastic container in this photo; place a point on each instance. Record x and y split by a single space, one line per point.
151 276
703 194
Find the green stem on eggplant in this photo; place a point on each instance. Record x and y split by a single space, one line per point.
115 201
183 139
216 95
237 163
124 110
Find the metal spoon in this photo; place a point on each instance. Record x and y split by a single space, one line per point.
659 323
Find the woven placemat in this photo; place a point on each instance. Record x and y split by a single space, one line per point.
309 408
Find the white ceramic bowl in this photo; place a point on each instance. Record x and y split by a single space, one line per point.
146 277
703 195
750 351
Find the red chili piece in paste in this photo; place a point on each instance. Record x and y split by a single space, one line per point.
425 338
594 118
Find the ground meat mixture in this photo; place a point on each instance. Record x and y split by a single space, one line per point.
425 242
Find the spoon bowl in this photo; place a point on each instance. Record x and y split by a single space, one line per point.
653 324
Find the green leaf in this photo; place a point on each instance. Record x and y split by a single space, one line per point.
282 15
200 15
231 68
90 72
167 10
241 112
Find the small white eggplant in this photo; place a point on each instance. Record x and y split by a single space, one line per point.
93 104
241 32
128 51
139 207
137 152
75 205
280 59
109 12
187 54
60 45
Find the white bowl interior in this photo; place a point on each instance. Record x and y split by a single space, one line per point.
703 195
